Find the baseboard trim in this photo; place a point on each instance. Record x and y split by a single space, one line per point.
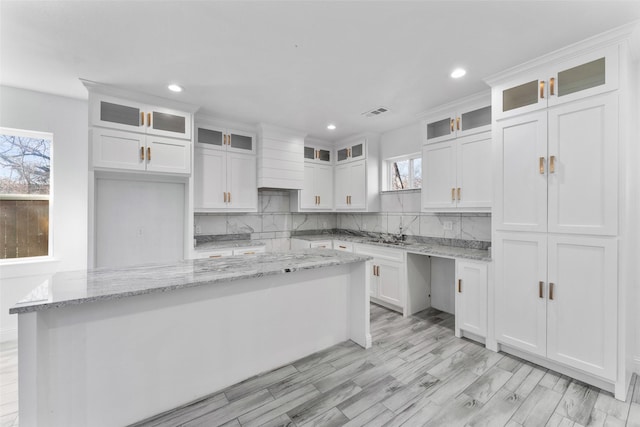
8 335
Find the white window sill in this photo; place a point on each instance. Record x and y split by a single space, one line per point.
408 190
28 266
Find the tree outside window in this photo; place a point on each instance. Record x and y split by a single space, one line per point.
405 173
25 188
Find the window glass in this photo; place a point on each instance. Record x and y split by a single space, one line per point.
25 180
405 173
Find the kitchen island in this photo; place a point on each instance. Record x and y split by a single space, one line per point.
115 346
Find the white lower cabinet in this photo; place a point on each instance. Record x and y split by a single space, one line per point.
556 297
471 298
114 149
387 275
311 244
340 245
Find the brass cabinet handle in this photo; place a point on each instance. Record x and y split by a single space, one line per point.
149 119
248 253
318 199
541 165
452 126
229 197
552 164
342 247
458 193
142 153
541 289
459 286
215 256
458 123
552 83
225 196
453 194
551 291
541 89
229 139
148 154
378 270
374 270
141 118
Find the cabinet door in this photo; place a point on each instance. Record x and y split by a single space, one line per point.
439 176
373 279
473 121
441 128
390 284
324 244
520 180
519 97
582 322
583 164
118 114
358 150
210 179
471 297
118 150
520 283
474 171
168 155
587 75
211 137
342 186
308 194
166 122
242 184
323 179
358 184
242 142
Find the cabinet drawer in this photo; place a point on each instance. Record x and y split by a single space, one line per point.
249 251
213 254
340 245
323 244
380 252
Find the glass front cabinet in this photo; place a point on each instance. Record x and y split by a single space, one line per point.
573 79
474 118
353 151
131 116
225 139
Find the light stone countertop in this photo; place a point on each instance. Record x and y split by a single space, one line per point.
227 244
79 287
420 248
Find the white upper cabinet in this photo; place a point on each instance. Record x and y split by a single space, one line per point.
566 81
351 186
469 119
317 154
352 151
226 139
117 150
318 188
457 174
557 169
131 116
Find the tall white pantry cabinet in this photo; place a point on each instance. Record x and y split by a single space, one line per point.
559 154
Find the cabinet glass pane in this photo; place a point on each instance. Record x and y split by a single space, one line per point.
208 136
169 122
122 114
582 77
342 154
476 118
241 142
309 153
357 150
439 128
325 155
520 96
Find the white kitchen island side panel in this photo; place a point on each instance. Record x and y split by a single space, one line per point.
120 361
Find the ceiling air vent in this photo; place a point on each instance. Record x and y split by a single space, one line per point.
375 112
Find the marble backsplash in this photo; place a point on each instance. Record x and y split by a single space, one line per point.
274 222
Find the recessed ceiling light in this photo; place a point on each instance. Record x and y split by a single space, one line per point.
331 127
458 72
175 88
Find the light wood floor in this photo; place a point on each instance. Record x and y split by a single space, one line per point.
417 373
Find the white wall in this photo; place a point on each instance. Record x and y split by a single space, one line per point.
66 119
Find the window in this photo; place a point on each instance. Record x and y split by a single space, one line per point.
405 173
25 188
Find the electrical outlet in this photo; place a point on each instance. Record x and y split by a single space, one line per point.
198 229
140 231
447 225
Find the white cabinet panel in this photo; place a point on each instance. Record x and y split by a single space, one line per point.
582 303
439 175
241 181
358 183
474 171
210 177
323 178
118 150
168 155
520 281
471 297
342 187
308 196
521 181
583 183
390 282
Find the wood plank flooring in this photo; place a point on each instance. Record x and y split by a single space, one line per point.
416 374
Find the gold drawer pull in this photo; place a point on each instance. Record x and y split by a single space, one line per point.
540 289
342 247
458 193
452 125
541 166
148 154
141 118
142 153
149 119
229 197
459 286
215 256
552 83
458 123
552 164
551 291
541 89
249 253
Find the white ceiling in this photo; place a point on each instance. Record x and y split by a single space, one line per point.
294 64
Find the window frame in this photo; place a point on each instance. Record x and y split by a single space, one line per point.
390 173
35 135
